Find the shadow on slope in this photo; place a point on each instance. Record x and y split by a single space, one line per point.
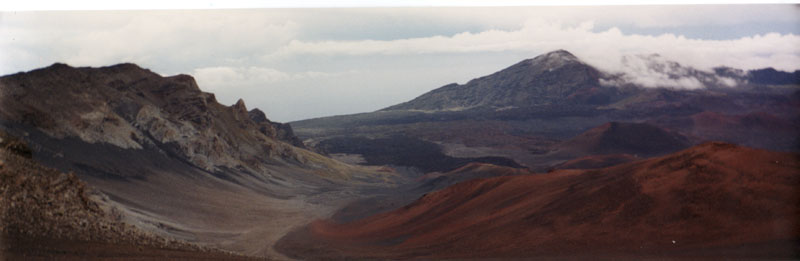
401 150
46 214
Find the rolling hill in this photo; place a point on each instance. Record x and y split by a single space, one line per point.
713 200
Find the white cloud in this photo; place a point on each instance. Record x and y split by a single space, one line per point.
165 39
220 77
602 49
291 61
656 71
269 89
216 76
177 41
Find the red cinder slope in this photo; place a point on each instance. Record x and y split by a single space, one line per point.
596 161
712 200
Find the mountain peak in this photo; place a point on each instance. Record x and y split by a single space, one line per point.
560 54
549 78
258 116
59 65
239 106
127 66
554 59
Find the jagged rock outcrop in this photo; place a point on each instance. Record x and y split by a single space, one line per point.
277 130
134 108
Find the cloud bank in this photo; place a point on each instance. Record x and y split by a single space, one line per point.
301 63
602 49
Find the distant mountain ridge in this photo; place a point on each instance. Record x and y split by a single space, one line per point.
559 77
527 110
772 76
543 80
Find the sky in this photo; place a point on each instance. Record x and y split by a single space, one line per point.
300 63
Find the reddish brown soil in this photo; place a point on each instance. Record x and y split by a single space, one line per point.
759 129
717 121
596 161
711 201
476 170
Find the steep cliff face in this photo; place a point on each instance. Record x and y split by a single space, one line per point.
133 108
